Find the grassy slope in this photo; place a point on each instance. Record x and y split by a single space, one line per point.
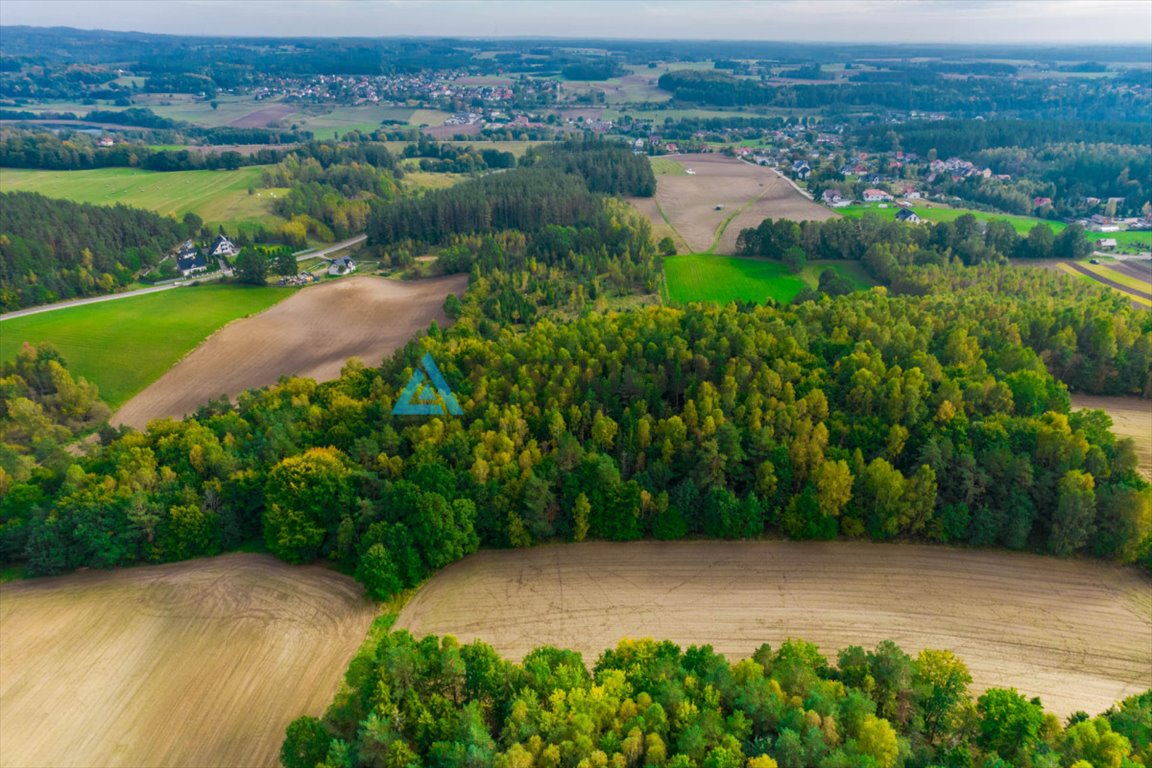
706 277
218 197
124 345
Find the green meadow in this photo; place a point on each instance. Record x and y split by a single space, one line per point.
721 279
124 345
218 197
666 166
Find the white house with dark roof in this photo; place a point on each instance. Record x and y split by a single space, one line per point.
222 247
342 265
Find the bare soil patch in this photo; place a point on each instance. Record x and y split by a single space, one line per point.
1141 269
1027 621
202 663
1131 417
449 131
747 194
311 334
262 117
244 149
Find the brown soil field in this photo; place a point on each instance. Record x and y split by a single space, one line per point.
749 194
310 334
244 149
262 117
1131 417
202 663
448 131
1077 634
1141 269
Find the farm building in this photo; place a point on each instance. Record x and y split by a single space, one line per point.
1106 243
222 247
342 265
908 215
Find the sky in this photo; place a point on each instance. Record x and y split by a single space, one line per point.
860 21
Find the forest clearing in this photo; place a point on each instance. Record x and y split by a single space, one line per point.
1017 620
311 334
708 207
187 664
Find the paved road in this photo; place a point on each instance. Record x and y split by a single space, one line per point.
332 248
92 300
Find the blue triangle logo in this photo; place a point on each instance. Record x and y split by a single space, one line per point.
427 394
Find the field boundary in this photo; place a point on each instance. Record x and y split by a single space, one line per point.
1016 619
1143 299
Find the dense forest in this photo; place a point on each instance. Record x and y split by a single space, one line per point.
864 238
51 250
1079 165
928 91
36 149
529 198
434 702
926 415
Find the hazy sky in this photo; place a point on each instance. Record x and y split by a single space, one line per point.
951 21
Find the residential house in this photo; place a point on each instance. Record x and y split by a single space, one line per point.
876 196
1040 202
189 260
908 215
342 265
222 247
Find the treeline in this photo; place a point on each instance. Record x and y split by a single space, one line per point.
607 167
526 199
963 137
51 250
1071 173
1039 99
47 151
330 193
522 199
516 279
965 238
927 417
438 157
435 702
42 410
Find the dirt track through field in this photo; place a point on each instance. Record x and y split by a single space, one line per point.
747 193
1131 417
312 334
202 663
262 118
1077 634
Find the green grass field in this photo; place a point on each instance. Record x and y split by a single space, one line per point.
666 166
1022 224
218 197
124 345
721 279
